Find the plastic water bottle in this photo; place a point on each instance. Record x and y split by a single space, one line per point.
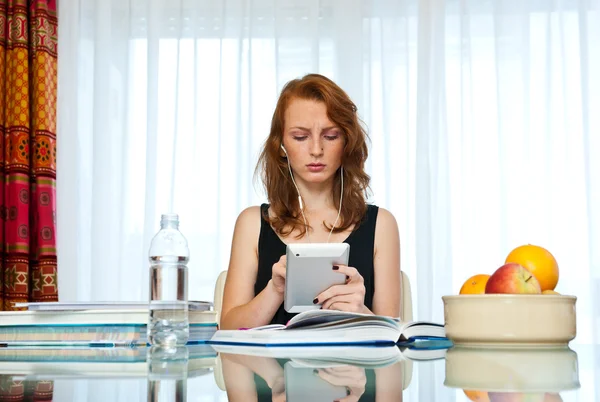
168 324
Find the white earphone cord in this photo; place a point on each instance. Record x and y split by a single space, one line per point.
302 206
340 208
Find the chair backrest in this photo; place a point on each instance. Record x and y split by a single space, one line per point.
219 288
406 312
405 309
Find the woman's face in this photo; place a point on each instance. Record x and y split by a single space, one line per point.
314 144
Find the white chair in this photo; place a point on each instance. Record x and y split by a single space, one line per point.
405 313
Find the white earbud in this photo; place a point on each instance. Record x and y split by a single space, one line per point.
293 181
300 197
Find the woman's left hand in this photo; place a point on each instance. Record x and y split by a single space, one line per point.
347 297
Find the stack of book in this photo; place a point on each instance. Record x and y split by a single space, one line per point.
93 324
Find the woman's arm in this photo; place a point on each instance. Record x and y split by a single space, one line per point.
240 308
386 262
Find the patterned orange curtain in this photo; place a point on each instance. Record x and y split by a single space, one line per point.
28 84
28 81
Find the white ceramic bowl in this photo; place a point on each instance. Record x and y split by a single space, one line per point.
510 320
512 370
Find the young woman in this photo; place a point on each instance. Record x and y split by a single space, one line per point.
316 137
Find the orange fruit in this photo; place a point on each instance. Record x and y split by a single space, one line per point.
477 396
475 285
539 261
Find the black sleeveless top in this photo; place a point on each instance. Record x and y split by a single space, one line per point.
362 245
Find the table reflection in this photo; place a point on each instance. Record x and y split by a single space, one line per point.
167 374
260 378
205 373
97 373
500 374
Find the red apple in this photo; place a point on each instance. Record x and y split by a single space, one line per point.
514 279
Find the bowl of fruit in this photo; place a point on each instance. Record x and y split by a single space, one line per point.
516 305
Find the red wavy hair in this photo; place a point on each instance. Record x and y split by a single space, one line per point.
281 193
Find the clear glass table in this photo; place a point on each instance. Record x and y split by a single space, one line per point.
201 373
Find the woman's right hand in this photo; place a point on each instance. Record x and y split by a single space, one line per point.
278 275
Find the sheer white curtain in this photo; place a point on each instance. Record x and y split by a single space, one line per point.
482 115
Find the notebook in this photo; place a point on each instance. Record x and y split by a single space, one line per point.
332 327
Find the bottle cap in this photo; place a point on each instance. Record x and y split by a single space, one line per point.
169 219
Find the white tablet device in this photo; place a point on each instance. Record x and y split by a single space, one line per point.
309 272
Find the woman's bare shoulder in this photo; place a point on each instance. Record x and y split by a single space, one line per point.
385 217
245 236
247 224
249 214
386 229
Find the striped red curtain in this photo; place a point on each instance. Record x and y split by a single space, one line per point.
28 86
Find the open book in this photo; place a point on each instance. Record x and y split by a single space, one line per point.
332 327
